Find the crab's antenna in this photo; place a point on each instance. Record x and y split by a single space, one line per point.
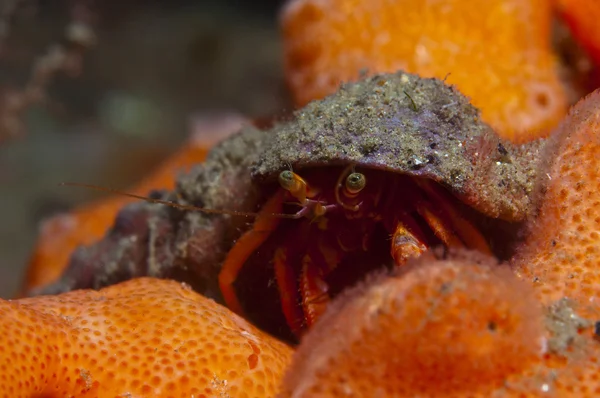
173 204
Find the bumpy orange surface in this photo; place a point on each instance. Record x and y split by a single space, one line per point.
145 337
582 17
444 329
61 234
499 55
562 255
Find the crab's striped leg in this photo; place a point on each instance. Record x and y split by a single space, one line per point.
305 294
439 223
304 297
432 212
329 249
245 246
314 291
468 234
288 291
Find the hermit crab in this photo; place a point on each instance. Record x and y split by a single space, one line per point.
377 173
372 176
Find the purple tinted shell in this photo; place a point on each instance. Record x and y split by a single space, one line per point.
407 124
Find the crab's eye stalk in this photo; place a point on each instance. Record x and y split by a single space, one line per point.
355 182
293 183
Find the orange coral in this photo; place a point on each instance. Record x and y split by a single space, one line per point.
562 254
61 234
499 55
140 338
444 329
582 17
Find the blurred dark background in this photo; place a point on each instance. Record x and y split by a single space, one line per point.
118 84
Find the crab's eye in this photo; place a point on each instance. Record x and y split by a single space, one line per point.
287 180
355 182
294 184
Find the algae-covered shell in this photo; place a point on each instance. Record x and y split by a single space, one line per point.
407 124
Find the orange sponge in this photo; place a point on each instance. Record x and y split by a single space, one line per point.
499 55
145 337
562 254
450 328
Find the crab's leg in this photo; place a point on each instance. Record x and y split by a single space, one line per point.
468 234
246 245
288 291
407 238
432 214
314 291
439 223
287 269
304 297
328 251
407 241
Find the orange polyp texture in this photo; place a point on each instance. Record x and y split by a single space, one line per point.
582 16
449 328
498 55
562 254
145 337
61 234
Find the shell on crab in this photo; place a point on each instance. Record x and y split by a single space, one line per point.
407 124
